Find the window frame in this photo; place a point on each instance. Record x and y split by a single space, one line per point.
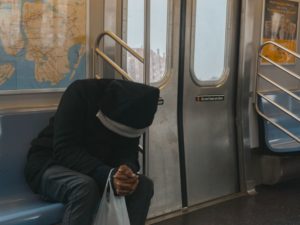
169 40
226 70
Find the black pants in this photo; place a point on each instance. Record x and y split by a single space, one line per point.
81 196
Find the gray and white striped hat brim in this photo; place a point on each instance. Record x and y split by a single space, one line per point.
119 128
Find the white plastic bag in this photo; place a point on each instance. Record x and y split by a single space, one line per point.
112 209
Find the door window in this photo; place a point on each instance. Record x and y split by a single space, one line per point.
209 41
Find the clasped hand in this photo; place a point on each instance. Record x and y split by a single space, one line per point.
125 181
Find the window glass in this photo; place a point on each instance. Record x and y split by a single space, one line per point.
158 38
135 37
210 39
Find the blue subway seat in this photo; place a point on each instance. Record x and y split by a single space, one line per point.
275 139
18 205
29 210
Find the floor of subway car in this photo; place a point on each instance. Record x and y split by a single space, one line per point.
273 205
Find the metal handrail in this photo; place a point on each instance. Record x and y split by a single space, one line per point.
274 83
279 86
279 107
108 60
281 67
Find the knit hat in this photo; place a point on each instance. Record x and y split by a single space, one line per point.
127 108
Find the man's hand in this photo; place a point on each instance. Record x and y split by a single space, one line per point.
125 181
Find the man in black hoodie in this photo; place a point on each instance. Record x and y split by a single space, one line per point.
96 129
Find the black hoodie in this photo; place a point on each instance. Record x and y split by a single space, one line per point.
76 138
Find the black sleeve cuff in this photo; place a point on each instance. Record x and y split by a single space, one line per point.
135 168
100 174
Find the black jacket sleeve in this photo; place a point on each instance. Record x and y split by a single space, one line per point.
69 124
126 152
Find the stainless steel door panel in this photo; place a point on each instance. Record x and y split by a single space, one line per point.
210 151
163 155
209 127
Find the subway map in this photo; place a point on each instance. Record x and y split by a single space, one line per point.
42 43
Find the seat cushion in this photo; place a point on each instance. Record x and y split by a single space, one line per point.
29 210
275 139
18 205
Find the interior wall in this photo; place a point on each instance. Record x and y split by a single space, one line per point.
246 116
250 41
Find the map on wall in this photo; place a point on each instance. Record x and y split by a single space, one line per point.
42 43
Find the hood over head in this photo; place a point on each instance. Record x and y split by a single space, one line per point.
128 108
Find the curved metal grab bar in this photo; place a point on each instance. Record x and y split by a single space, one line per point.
279 46
108 60
274 83
280 67
278 126
294 116
278 86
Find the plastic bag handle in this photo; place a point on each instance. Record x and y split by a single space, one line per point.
108 182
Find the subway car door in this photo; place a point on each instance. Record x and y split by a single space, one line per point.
151 28
208 99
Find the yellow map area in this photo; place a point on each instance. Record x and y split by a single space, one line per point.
10 26
6 71
52 28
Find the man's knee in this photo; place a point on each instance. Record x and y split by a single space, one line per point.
146 186
85 187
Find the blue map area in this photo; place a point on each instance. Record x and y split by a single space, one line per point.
23 77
